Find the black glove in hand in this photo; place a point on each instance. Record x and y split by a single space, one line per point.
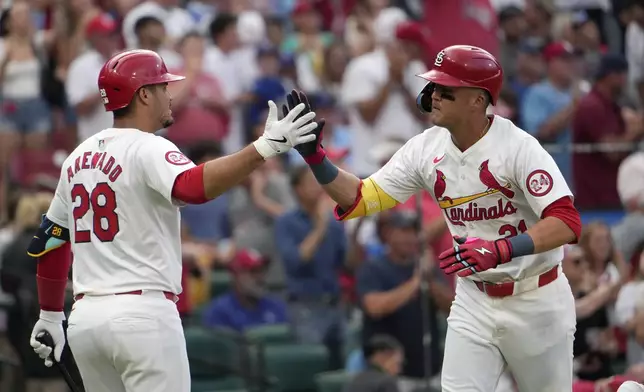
313 151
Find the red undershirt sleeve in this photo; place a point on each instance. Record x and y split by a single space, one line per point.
188 186
564 210
51 277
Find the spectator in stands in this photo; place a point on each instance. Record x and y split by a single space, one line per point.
598 119
385 356
629 312
177 20
359 31
82 77
538 15
548 107
530 69
634 50
628 235
70 24
18 278
199 106
379 89
513 26
594 343
269 85
150 35
605 260
208 224
388 290
221 63
251 30
254 207
586 39
247 304
24 114
336 58
313 247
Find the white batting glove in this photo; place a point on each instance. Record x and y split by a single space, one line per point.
281 135
52 323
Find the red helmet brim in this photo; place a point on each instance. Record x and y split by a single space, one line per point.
439 77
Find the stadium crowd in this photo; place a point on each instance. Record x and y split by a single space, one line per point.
269 253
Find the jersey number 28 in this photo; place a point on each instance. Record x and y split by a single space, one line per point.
104 212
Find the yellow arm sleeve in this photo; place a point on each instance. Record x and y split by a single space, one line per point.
371 199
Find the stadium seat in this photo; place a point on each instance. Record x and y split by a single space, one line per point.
332 381
294 366
212 353
220 282
270 334
225 384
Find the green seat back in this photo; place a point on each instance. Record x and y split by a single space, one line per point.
270 334
332 381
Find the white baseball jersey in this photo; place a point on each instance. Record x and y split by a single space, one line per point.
497 188
114 195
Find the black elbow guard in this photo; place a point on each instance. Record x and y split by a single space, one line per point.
48 237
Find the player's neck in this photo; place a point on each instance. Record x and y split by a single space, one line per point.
466 134
133 123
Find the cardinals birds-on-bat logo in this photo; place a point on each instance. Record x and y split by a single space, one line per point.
491 183
486 177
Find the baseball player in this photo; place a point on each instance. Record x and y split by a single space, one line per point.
116 208
509 211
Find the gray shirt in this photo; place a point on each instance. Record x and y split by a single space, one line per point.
253 228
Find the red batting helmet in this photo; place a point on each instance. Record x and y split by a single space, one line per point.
126 72
463 66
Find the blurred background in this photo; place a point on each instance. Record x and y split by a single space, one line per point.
278 296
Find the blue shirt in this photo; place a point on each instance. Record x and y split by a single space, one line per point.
318 276
379 275
226 311
208 221
541 102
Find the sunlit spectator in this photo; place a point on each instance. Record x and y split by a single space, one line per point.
82 78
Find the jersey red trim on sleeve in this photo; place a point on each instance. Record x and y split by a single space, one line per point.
564 210
188 186
51 278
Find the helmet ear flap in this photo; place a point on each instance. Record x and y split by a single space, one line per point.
424 99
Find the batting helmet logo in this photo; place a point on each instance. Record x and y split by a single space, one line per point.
439 59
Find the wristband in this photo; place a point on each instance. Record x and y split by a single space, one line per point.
325 172
522 245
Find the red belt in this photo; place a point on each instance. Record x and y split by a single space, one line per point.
507 288
171 296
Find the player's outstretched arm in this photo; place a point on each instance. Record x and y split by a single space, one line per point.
355 197
205 182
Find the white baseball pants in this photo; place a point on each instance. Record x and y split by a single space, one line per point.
132 343
530 333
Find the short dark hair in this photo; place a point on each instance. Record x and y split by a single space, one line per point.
144 22
4 22
202 150
297 173
220 24
381 343
124 112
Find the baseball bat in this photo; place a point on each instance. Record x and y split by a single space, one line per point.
46 339
428 313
